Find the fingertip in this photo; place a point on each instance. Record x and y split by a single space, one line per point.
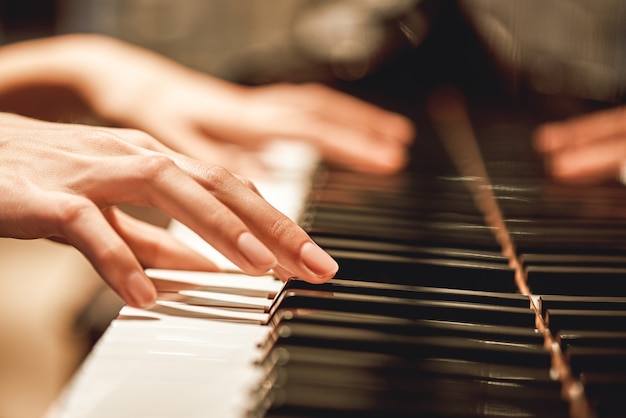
561 168
546 138
388 158
322 266
139 291
400 128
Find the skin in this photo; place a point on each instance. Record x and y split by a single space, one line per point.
197 114
586 149
63 181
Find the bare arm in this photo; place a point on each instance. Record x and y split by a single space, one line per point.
196 114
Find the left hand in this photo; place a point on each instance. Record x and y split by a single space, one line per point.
586 149
197 114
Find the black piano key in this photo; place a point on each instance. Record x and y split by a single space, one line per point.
578 260
412 250
431 371
433 272
592 338
299 390
382 230
573 319
415 365
552 204
455 399
404 326
605 391
397 229
338 197
596 359
574 238
406 308
333 205
405 189
580 281
408 346
337 286
598 303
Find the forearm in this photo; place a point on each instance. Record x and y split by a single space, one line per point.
50 61
110 75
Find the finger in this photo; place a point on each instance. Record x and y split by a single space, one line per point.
218 207
595 161
192 141
350 148
282 273
82 224
355 112
166 186
153 179
153 246
554 136
294 249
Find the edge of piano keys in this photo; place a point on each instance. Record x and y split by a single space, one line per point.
99 391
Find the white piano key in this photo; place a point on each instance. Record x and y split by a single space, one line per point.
219 300
182 360
166 367
213 313
231 283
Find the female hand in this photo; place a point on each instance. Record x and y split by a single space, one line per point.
586 149
63 181
199 115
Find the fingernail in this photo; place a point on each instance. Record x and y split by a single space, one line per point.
141 290
255 251
317 260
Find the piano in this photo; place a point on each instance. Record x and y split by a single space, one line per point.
430 314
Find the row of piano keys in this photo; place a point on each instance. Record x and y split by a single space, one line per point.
424 317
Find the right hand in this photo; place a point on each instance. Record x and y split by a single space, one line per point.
63 181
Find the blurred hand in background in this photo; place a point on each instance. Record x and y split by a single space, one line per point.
585 149
202 116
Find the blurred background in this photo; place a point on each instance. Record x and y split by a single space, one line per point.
563 55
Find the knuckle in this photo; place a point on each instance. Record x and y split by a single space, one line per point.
108 139
281 228
108 253
71 214
248 183
152 166
71 210
217 176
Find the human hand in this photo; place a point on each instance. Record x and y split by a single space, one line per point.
201 116
62 181
586 149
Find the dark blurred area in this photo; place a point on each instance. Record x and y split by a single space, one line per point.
564 56
27 19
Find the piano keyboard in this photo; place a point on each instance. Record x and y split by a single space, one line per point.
424 318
